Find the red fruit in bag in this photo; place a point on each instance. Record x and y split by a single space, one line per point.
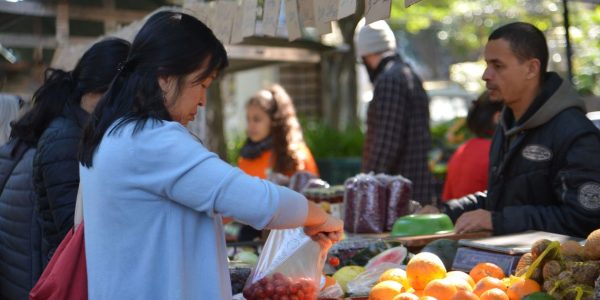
269 289
281 290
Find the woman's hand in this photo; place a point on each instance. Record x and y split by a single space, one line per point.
331 229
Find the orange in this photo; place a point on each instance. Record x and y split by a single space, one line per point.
464 295
406 296
442 289
494 294
522 287
488 283
428 298
423 268
329 281
463 275
485 269
385 290
459 283
395 274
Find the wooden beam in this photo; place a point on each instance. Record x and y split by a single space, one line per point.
62 22
110 24
78 12
34 41
264 53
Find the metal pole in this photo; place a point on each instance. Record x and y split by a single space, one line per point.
568 40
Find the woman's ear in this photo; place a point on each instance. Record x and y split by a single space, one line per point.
166 83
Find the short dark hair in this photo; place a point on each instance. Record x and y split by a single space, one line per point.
169 44
526 42
480 119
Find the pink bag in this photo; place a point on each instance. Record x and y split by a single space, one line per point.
65 277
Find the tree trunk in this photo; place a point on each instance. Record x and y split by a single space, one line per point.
338 77
215 133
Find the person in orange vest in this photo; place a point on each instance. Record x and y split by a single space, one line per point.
275 148
275 144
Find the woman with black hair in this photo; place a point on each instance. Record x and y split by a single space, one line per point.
55 166
54 124
468 165
154 196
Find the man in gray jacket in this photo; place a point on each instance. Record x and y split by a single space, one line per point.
545 156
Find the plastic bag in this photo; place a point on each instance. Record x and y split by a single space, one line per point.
289 265
300 179
365 200
334 291
398 190
362 284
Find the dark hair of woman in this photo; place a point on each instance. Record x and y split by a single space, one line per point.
480 119
285 128
169 44
93 74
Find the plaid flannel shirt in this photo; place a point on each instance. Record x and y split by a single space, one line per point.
398 138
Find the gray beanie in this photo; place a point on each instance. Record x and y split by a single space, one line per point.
374 38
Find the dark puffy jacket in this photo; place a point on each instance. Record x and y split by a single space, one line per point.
56 176
20 232
544 171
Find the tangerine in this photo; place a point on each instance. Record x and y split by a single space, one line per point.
442 289
406 296
459 283
423 268
464 295
485 269
488 283
395 274
385 290
329 281
494 294
522 287
462 275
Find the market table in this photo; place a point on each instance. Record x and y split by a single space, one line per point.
417 242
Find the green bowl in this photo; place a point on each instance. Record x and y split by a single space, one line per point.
422 225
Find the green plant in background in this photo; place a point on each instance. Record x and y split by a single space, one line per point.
462 27
326 142
234 145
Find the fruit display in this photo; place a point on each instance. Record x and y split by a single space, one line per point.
279 286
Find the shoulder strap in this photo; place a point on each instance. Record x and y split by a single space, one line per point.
78 217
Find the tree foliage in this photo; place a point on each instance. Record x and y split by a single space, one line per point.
462 27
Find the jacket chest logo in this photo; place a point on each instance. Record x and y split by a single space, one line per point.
536 153
589 195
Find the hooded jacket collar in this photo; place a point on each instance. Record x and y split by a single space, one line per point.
556 95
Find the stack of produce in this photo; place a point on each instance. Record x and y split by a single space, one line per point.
565 271
427 278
